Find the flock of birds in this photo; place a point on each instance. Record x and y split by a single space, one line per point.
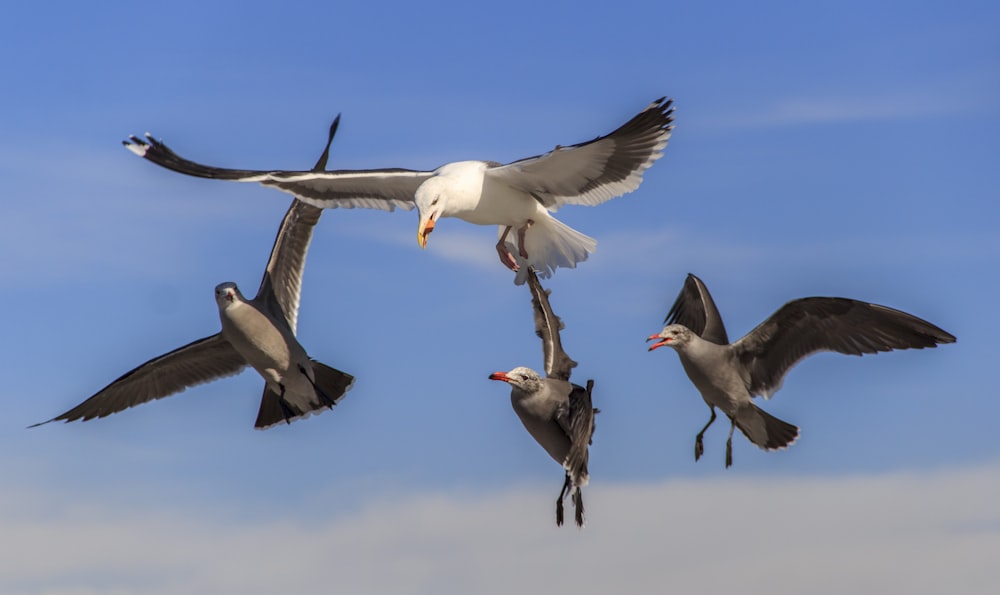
519 198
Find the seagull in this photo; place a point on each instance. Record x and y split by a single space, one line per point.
258 332
559 415
518 196
728 375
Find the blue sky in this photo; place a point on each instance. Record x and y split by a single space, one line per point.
847 150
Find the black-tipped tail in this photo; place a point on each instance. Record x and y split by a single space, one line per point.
763 429
330 384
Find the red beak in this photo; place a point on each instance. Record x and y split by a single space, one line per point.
657 345
499 376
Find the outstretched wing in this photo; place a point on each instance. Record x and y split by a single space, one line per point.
547 327
595 171
384 189
805 326
695 309
281 287
195 363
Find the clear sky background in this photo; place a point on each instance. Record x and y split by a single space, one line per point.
847 150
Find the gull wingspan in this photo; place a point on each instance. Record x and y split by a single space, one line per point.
695 309
202 361
384 189
808 325
598 170
547 327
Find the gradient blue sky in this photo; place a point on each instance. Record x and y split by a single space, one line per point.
849 150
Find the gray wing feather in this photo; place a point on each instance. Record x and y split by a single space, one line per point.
598 170
281 286
809 325
695 309
547 327
577 421
202 361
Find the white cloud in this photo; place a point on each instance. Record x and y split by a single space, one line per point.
917 532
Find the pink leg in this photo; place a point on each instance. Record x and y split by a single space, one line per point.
520 237
506 258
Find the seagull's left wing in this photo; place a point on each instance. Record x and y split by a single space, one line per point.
808 325
547 327
282 284
384 189
595 171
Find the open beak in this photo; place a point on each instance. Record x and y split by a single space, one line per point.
499 376
657 345
424 229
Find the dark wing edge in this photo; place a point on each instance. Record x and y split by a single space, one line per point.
809 325
547 326
592 172
695 309
577 421
382 189
196 363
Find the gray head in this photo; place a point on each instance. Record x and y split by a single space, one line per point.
226 294
523 378
672 335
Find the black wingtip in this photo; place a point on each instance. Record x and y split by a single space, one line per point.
321 163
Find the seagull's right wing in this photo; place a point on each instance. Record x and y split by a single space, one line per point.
577 420
695 309
808 325
547 327
384 189
201 361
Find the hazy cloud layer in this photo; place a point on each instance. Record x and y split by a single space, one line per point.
919 532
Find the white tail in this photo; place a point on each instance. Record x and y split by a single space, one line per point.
550 243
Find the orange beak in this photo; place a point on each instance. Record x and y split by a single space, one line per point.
425 229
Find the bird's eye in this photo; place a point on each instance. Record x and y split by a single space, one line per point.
434 202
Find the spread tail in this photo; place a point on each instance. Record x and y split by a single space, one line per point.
330 384
549 243
763 429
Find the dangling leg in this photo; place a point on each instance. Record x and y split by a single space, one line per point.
729 444
505 256
559 502
286 411
520 237
330 403
578 504
699 447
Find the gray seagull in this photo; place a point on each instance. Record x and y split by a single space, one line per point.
728 375
517 196
258 332
559 415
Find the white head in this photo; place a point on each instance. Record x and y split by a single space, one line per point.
431 198
523 378
226 294
672 335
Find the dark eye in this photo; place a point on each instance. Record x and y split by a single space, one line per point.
434 202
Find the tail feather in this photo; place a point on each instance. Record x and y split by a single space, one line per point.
763 429
549 243
331 386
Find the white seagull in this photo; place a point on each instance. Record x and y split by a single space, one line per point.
517 196
259 333
559 415
728 376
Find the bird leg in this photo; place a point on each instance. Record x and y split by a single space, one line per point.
559 501
286 411
699 446
326 400
578 504
729 444
505 256
520 237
